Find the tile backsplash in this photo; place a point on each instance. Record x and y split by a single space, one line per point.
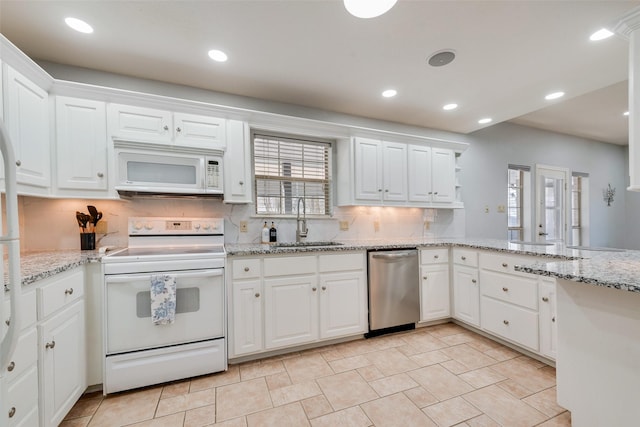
50 224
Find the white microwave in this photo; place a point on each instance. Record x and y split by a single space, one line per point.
184 172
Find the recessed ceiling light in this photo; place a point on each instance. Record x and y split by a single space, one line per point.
389 93
626 113
601 34
554 95
79 25
450 107
368 8
217 55
485 121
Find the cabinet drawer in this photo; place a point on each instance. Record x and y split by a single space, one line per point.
514 323
22 397
512 289
286 266
27 310
503 263
465 257
341 262
60 291
434 256
25 355
246 268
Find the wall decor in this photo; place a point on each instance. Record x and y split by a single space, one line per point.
607 194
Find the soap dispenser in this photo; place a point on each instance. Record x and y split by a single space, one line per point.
273 234
265 233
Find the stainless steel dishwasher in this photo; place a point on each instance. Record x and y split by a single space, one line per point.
394 293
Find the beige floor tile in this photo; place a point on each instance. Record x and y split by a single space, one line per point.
525 373
482 377
173 420
198 417
291 415
391 361
408 350
455 367
331 355
185 402
316 406
348 364
352 417
236 422
395 410
461 338
307 367
243 398
430 358
483 344
175 389
504 408
389 341
278 380
230 376
424 342
546 402
562 420
346 389
370 373
514 388
531 362
356 348
393 384
502 353
469 356
445 329
76 422
451 412
482 421
421 397
261 370
84 407
440 382
294 393
127 408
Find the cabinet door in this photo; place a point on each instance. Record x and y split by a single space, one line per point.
237 163
443 164
394 172
291 310
419 173
548 324
199 131
27 117
368 169
63 363
466 295
434 292
343 304
247 317
81 144
139 124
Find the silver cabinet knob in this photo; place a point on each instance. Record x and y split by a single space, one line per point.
178 129
464 258
165 127
241 182
430 192
12 411
246 269
68 291
506 322
545 299
18 163
314 289
553 319
379 190
474 281
436 257
11 366
505 289
324 288
257 294
424 277
100 175
8 322
505 265
51 345
386 190
435 192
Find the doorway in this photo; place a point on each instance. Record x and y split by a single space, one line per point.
551 204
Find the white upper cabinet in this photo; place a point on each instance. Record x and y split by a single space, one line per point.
431 175
27 120
420 174
237 160
394 172
130 122
443 175
81 147
380 171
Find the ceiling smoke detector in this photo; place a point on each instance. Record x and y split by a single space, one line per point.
441 58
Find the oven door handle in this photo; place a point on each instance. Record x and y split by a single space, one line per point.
120 278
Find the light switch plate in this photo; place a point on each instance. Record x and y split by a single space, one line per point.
501 209
344 225
244 226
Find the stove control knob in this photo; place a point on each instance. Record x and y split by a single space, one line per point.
196 226
137 226
148 226
207 226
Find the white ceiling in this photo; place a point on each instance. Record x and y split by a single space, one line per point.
509 54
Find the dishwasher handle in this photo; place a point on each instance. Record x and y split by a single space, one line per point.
395 255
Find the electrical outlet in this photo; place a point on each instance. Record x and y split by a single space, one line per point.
376 225
344 225
244 226
501 209
102 227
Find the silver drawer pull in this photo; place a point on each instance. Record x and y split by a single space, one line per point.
178 129
506 322
545 299
51 345
553 319
11 366
474 281
68 291
8 322
257 294
464 258
424 277
18 163
505 289
100 175
246 269
505 265
165 127
324 288
12 411
436 257
314 289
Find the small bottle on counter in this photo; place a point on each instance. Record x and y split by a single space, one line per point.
265 233
273 233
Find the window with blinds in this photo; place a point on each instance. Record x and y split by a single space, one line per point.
288 169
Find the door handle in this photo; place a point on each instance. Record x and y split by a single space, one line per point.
395 255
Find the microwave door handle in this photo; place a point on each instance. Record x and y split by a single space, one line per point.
122 278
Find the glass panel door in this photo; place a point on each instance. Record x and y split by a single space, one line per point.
551 212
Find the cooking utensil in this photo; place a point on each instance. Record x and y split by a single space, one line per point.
82 219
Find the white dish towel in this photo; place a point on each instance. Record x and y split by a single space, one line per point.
163 299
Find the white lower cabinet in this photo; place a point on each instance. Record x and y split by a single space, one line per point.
548 324
466 294
435 302
247 316
509 321
342 304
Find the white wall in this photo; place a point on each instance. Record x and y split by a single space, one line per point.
484 178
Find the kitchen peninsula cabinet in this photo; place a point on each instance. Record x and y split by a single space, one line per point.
434 284
548 325
128 122
466 286
82 155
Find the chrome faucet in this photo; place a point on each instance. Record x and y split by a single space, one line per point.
301 229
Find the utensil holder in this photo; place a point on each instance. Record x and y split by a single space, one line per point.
87 241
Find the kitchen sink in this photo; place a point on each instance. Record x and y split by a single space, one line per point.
517 242
594 248
305 244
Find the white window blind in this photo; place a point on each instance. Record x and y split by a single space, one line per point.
287 169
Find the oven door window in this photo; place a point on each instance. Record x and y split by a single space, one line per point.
199 310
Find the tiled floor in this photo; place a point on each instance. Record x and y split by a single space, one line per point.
442 375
